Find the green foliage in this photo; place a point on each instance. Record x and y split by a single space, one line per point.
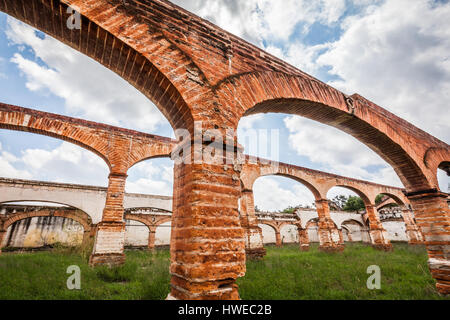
338 202
123 273
285 273
289 210
378 199
354 204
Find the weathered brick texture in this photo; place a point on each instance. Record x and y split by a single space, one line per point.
195 71
254 246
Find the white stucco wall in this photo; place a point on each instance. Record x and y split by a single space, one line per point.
39 231
396 230
136 234
162 235
289 234
268 234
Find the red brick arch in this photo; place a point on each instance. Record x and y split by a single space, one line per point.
437 158
273 225
119 148
123 41
395 140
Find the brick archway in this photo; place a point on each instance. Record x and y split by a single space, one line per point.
74 214
195 71
277 92
120 40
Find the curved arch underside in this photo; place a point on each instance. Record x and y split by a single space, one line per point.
110 47
160 49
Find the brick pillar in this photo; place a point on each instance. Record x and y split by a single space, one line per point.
278 238
412 230
110 235
378 235
341 237
151 238
2 236
207 243
433 218
303 238
254 246
86 237
328 234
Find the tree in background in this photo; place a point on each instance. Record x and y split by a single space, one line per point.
354 204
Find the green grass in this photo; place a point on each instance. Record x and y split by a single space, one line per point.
285 273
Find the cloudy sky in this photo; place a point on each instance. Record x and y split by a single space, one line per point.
394 52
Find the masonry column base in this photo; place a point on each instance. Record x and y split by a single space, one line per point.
379 240
440 269
415 237
107 259
208 290
109 245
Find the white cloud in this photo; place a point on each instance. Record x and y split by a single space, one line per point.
7 169
151 177
337 152
66 163
89 90
444 181
258 20
280 198
398 55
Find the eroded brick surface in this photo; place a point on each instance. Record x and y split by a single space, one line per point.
195 71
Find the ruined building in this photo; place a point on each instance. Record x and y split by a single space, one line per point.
194 71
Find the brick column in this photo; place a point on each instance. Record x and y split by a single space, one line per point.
303 238
412 230
151 238
110 235
278 238
254 246
86 237
2 236
328 233
350 239
378 235
433 218
207 243
341 237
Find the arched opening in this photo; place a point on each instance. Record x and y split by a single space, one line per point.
34 157
345 199
443 176
136 234
355 231
31 225
162 234
99 47
391 211
289 234
312 226
268 233
281 194
153 177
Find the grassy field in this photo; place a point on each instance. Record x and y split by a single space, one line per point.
285 273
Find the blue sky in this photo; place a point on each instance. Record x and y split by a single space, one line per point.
395 52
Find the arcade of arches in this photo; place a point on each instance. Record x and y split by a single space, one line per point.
194 71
